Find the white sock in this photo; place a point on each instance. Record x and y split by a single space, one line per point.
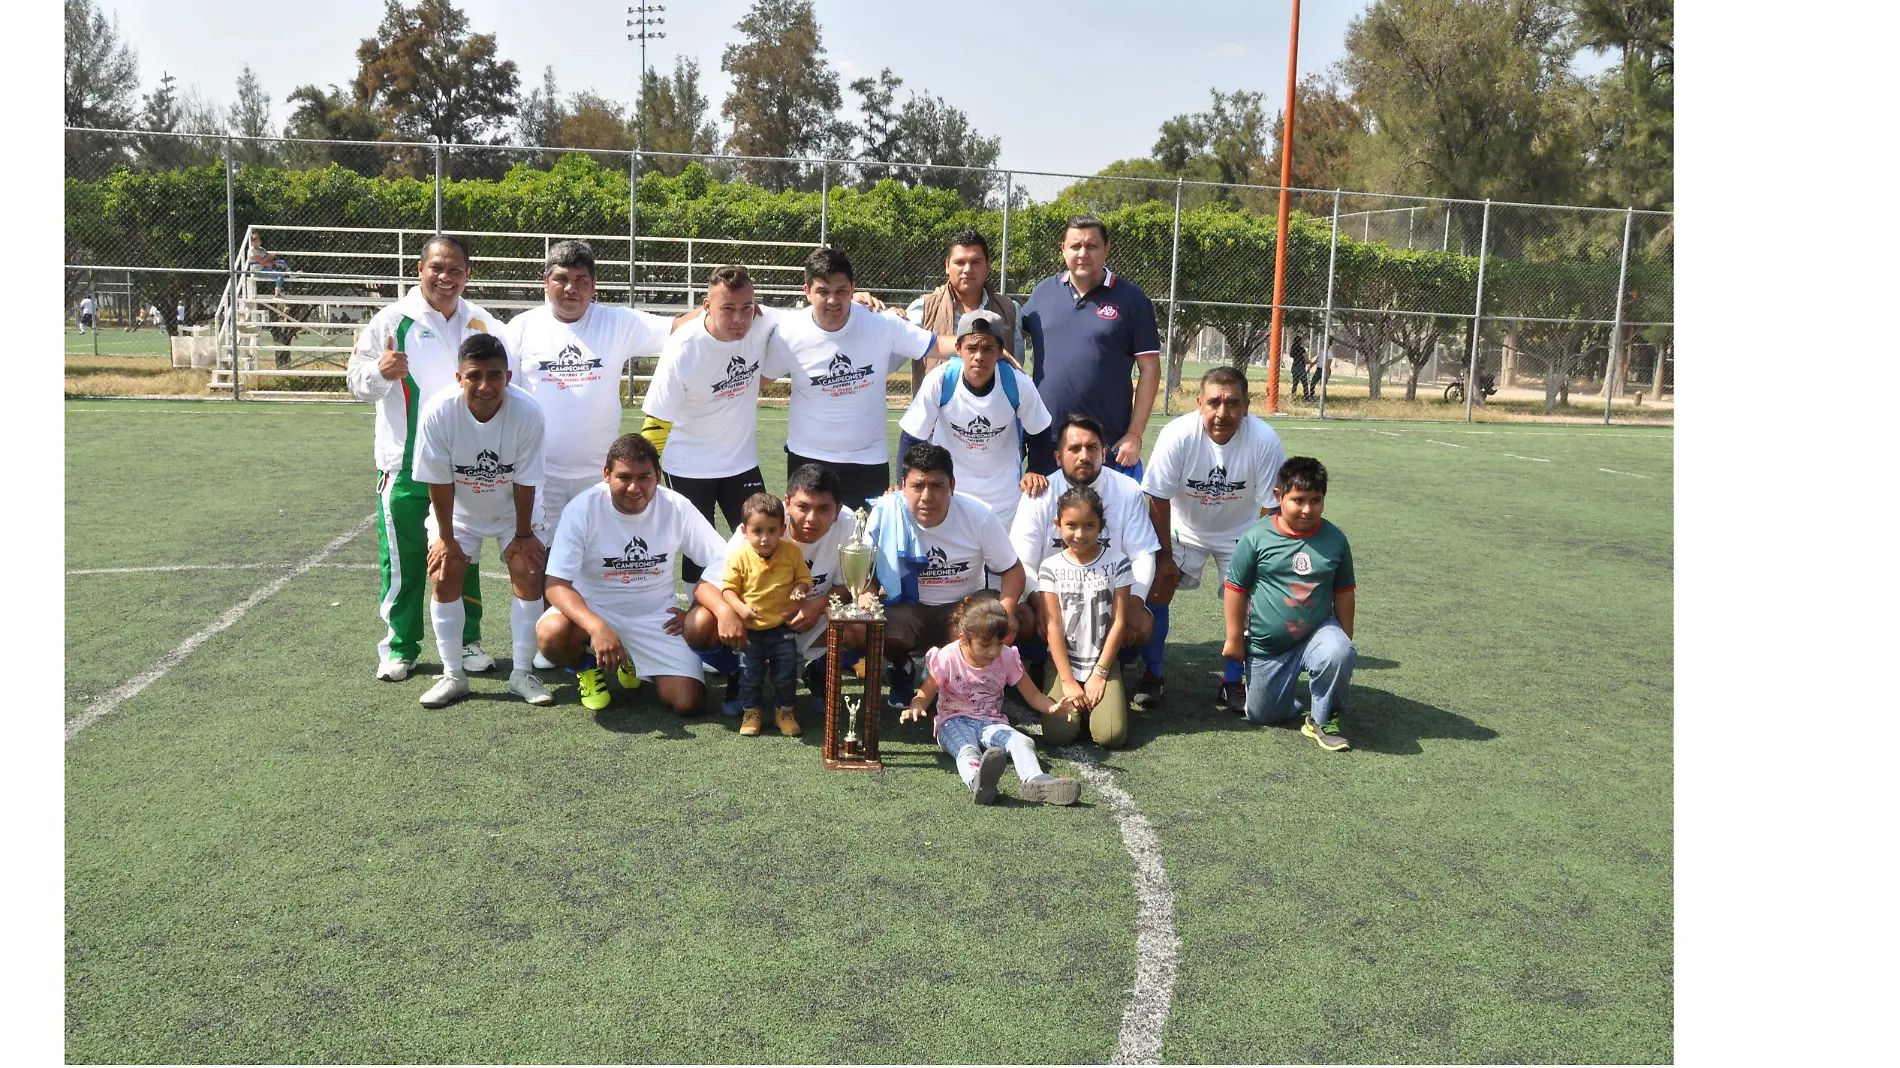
1022 752
968 760
522 616
447 620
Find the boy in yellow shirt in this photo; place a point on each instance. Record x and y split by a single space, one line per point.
761 583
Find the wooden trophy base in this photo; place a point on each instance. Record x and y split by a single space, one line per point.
864 755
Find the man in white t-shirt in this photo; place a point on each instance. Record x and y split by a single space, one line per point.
962 540
702 407
569 354
818 528
610 581
982 422
478 449
839 357
1209 478
85 313
1079 462
405 354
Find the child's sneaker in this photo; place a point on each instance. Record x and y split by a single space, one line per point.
752 722
1051 790
788 723
989 773
1233 697
901 685
730 703
1326 735
1147 692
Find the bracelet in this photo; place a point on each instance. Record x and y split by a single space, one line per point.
1100 671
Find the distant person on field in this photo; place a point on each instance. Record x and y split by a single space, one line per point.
966 268
1289 601
967 678
1296 360
478 449
406 353
87 310
1086 593
764 580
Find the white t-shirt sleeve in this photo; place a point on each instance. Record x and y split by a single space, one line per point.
1276 457
908 342
529 434
915 313
1026 533
1162 477
700 542
665 393
1030 409
999 555
364 374
921 417
1122 574
640 334
778 360
564 557
435 442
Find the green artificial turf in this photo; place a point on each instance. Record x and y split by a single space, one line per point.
271 856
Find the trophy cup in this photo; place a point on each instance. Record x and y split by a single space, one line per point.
852 704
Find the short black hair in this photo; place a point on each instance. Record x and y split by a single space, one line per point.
632 449
927 457
1086 221
1084 496
824 262
1077 419
444 239
480 346
1231 377
815 478
570 253
1301 473
762 504
968 238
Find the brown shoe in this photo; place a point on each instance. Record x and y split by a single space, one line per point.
753 721
788 724
1052 790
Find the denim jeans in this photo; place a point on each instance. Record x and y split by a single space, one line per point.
958 731
1327 656
778 647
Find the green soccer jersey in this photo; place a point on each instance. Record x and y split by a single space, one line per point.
1289 580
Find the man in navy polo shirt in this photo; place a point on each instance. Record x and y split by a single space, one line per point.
1090 328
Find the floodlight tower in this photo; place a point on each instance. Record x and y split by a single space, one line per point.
645 17
1279 244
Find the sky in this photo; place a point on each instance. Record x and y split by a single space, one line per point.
1068 87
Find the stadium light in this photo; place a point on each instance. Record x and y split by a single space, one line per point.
1279 244
642 23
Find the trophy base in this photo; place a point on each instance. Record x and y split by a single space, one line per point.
845 764
859 753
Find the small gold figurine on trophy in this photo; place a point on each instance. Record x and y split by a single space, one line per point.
847 710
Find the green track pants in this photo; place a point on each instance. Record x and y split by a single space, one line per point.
402 504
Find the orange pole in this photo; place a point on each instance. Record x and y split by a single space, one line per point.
1279 243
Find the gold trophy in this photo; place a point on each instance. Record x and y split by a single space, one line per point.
848 696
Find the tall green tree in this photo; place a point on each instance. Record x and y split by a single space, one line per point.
431 79
1329 133
592 121
1632 125
673 114
249 118
784 98
931 131
881 133
334 116
102 84
159 115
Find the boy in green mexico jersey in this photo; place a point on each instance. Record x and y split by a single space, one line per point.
1289 601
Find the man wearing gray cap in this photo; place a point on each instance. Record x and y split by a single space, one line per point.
980 408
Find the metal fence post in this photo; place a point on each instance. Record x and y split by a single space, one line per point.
230 267
438 187
1009 183
1326 328
633 230
1174 264
1477 312
1616 328
824 202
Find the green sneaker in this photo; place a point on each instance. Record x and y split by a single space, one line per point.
629 679
1326 736
594 695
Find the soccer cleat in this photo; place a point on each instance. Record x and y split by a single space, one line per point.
594 695
395 669
900 685
788 723
752 722
529 688
542 663
1325 735
1051 790
989 773
447 690
1233 697
1147 692
473 659
628 676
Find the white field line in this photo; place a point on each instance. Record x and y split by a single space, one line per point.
1631 474
1388 433
1533 459
1157 947
130 688
1446 444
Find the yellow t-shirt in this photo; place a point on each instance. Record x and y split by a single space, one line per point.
766 585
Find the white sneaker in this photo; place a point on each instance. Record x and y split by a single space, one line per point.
395 669
529 689
473 659
447 689
542 663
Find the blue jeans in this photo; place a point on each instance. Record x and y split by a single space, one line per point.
958 731
1327 656
779 648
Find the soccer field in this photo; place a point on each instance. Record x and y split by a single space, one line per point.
271 856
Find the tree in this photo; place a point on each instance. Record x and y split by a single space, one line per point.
593 121
881 134
160 114
1226 143
431 79
672 116
1632 125
931 131
250 119
1329 132
784 96
102 81
332 116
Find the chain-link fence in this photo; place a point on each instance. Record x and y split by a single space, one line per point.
254 278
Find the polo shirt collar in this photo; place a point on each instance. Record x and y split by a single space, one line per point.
1107 282
418 306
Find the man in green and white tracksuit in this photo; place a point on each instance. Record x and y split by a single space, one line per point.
404 355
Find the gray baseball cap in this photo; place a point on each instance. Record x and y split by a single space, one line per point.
981 321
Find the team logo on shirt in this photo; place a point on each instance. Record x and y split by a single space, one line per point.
1302 564
1107 311
1215 488
978 432
635 558
939 568
570 362
739 375
486 470
842 376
